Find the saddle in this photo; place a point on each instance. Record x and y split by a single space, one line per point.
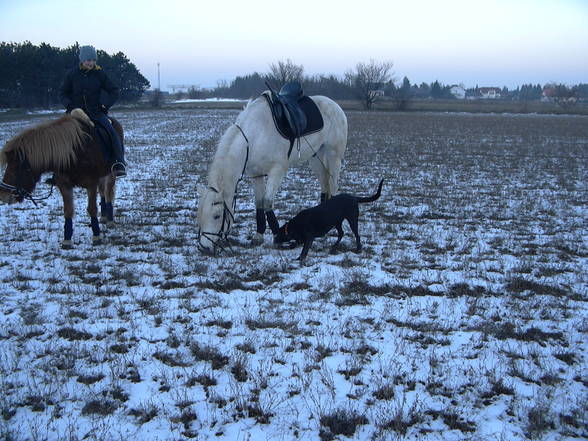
294 114
106 141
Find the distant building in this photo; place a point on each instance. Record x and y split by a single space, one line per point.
490 92
148 95
458 91
548 94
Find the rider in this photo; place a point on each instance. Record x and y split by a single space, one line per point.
82 88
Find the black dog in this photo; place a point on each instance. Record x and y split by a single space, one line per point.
318 221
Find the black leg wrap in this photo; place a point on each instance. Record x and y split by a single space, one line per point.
102 207
68 229
272 221
95 226
260 215
109 211
323 197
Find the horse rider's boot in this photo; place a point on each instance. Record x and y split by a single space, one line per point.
118 167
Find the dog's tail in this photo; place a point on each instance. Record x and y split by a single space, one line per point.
374 197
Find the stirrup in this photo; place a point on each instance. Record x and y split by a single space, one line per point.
118 170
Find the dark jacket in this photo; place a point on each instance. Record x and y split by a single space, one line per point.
83 88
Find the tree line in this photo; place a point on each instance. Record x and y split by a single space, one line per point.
31 75
372 81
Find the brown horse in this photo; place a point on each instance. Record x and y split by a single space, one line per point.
71 149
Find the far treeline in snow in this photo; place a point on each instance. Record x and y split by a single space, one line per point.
30 76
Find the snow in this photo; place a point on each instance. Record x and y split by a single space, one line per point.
464 317
208 100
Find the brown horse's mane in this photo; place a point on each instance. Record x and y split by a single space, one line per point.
49 144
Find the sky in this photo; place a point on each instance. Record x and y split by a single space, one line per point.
470 42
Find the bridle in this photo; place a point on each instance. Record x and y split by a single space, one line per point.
228 214
18 191
223 232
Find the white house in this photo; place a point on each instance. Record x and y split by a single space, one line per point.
490 92
458 91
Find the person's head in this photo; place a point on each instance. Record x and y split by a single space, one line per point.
88 57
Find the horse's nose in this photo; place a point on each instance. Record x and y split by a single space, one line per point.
206 251
206 246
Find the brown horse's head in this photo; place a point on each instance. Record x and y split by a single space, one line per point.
46 147
19 179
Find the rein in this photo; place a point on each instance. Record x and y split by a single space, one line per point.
18 190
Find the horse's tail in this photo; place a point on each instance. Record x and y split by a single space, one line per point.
373 197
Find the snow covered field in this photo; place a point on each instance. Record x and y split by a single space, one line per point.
464 317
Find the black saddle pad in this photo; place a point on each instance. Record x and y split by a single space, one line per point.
314 118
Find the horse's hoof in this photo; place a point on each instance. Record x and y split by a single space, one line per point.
66 245
96 240
257 239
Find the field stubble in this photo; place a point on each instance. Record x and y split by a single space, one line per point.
464 317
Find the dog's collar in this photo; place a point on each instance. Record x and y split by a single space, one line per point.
286 228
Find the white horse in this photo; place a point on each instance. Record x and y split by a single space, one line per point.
252 147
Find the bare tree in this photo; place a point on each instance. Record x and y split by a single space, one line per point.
284 72
368 80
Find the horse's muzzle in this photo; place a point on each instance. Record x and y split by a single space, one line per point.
205 244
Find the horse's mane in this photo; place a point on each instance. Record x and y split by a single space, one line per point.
51 143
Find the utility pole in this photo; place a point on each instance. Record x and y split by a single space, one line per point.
158 78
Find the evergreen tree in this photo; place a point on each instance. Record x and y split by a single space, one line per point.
248 86
436 90
124 74
403 94
31 76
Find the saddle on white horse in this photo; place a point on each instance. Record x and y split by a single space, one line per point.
294 113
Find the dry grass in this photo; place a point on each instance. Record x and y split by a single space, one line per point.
463 318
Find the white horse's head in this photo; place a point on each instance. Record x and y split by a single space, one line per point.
215 217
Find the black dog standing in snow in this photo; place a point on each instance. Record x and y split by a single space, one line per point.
318 221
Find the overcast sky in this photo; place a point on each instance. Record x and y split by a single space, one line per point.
485 43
